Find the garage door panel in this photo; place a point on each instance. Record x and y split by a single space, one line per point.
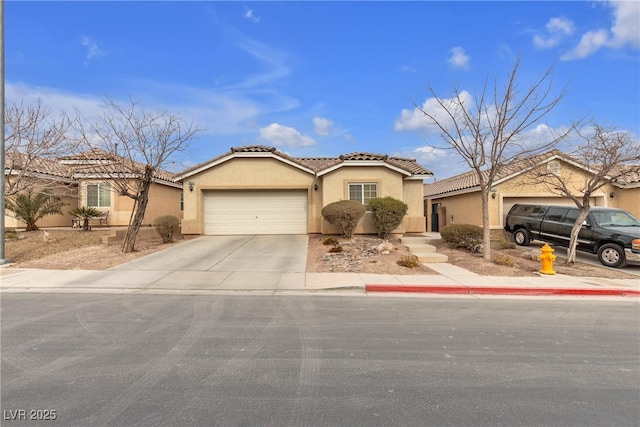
255 212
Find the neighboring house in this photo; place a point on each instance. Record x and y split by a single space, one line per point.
37 174
259 190
458 199
95 170
87 179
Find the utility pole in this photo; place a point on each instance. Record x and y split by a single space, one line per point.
3 260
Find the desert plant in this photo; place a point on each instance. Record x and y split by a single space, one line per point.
85 213
30 207
167 226
504 260
336 248
387 213
330 241
344 214
465 236
409 261
506 244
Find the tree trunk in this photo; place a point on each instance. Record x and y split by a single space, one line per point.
486 231
573 238
31 226
85 224
140 207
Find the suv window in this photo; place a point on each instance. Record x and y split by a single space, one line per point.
556 213
571 216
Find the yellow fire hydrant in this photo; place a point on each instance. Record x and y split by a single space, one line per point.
547 258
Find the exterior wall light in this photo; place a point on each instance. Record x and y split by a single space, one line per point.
612 194
494 190
315 187
191 184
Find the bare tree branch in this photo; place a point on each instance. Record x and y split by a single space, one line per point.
490 133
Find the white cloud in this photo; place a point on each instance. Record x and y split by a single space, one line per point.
625 31
626 27
409 69
248 13
415 119
322 126
459 59
557 29
285 136
93 51
429 154
350 138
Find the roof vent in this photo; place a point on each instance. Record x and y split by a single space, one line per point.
554 167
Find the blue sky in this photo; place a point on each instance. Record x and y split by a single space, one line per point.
320 78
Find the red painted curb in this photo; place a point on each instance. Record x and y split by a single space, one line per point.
479 290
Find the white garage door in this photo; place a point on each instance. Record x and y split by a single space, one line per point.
255 212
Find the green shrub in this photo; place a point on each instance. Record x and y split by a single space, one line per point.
504 260
330 241
465 236
506 244
387 214
85 214
409 261
345 215
167 225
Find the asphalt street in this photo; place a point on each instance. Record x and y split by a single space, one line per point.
168 360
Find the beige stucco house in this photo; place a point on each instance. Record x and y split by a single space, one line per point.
260 190
86 179
458 199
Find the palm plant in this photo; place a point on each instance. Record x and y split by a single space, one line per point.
85 214
29 207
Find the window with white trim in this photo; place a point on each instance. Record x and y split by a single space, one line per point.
363 192
98 195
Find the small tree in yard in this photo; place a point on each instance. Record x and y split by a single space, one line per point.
29 207
493 127
607 155
142 143
85 214
388 214
345 214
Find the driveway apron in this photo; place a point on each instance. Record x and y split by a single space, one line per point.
264 253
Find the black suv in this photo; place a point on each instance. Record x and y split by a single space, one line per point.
613 234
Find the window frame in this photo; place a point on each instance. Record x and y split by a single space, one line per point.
362 185
101 187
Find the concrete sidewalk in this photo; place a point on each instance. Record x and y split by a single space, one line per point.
449 280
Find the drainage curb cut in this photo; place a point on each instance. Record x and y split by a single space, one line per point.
473 290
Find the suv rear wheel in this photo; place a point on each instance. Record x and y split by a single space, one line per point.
521 236
612 255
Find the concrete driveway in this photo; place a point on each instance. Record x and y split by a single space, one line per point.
272 253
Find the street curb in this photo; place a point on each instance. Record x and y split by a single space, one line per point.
477 290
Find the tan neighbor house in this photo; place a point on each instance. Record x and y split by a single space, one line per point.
458 199
89 176
259 190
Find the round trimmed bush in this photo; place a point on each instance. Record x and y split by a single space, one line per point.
344 214
465 236
387 214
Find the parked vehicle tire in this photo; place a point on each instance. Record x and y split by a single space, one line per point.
612 255
522 237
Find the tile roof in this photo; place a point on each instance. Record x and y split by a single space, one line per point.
22 162
469 180
100 162
318 164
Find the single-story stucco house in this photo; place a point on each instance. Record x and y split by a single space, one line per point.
459 199
86 179
260 190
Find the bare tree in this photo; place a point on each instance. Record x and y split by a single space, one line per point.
489 129
34 138
607 155
139 145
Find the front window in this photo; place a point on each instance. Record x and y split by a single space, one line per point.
98 195
363 192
